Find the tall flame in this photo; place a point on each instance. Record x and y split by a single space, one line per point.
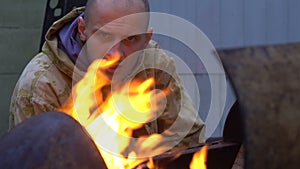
199 159
86 94
111 122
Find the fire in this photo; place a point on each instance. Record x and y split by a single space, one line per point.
85 94
199 159
110 122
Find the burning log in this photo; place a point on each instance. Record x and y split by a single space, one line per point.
49 140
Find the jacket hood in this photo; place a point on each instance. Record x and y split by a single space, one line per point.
50 47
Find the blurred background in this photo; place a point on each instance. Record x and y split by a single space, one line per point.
228 24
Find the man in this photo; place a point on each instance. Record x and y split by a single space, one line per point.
83 35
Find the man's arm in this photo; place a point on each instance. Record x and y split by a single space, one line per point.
23 107
180 117
179 126
40 88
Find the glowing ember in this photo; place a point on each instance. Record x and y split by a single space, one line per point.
199 159
111 122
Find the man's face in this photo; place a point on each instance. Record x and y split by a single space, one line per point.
116 32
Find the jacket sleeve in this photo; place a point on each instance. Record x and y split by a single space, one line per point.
180 120
42 87
23 107
178 126
30 101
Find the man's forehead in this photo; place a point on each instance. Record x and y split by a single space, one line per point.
117 8
126 25
124 3
135 21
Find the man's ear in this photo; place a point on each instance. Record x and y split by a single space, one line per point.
148 37
82 29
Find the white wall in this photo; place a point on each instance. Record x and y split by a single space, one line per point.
228 24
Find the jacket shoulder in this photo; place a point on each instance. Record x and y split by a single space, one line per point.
155 57
41 78
41 87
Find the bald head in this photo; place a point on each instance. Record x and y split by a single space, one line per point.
123 7
115 26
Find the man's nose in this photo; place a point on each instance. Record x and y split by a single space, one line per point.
117 48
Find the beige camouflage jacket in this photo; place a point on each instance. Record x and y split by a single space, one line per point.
46 83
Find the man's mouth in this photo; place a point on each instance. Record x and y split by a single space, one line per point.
113 67
111 70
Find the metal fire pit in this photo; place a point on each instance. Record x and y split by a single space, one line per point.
49 141
55 140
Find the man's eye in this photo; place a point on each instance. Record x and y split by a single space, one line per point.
131 38
105 35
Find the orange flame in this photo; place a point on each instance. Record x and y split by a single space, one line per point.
111 122
199 159
85 94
